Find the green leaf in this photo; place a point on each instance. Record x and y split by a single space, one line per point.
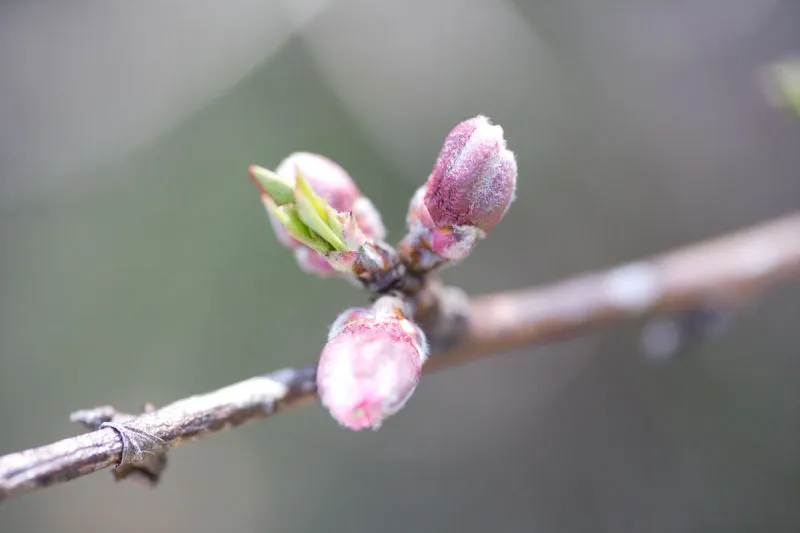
289 218
319 204
334 222
279 189
311 217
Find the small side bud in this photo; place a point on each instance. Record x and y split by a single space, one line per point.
371 364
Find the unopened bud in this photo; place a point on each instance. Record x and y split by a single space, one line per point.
474 179
468 192
312 262
371 364
335 186
327 178
317 210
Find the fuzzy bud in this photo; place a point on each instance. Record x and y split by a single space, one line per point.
468 192
371 364
316 209
474 179
334 185
327 178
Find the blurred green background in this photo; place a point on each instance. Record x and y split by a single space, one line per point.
138 264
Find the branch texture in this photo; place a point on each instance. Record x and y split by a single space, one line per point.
724 271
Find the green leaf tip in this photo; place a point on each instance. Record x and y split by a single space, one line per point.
289 217
279 189
318 214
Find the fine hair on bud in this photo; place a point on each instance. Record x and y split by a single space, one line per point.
468 192
371 364
474 180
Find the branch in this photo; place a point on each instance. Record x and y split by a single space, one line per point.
724 271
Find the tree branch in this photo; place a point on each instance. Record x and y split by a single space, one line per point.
723 271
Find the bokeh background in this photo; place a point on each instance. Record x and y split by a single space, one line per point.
137 263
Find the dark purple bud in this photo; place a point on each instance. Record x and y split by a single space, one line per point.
474 179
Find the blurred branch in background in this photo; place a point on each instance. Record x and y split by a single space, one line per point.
725 271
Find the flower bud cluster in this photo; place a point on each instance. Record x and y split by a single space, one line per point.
373 358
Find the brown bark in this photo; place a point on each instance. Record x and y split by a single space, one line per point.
723 271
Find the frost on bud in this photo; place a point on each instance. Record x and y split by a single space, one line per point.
371 364
468 192
317 210
474 179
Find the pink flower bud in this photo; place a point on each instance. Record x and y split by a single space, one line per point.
469 190
313 262
335 185
456 242
369 219
357 220
328 179
474 179
371 364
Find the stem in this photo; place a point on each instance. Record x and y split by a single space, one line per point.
724 271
